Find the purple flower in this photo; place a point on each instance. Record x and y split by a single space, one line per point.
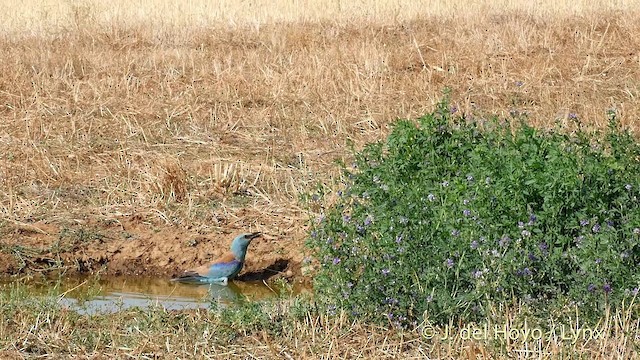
474 244
526 233
403 220
628 187
455 232
431 197
487 180
532 219
360 229
399 239
391 301
477 274
336 261
606 287
519 83
526 272
636 231
346 218
543 247
591 288
385 271
532 257
314 234
445 183
368 220
598 261
449 263
453 109
466 212
469 177
584 222
329 241
596 228
520 225
572 116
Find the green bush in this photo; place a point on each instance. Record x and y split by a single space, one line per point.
450 215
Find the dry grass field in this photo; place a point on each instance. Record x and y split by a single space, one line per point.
139 137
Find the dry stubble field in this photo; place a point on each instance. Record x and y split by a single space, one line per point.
138 138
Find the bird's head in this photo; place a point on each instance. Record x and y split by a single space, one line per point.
241 242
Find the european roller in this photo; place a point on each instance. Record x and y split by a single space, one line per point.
223 269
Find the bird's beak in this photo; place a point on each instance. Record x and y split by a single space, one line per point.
253 235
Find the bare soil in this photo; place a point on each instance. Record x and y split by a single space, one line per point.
133 246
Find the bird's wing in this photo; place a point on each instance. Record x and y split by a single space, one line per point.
221 270
226 266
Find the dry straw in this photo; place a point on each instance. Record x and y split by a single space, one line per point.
170 109
189 112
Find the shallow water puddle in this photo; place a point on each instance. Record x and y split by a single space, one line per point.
111 294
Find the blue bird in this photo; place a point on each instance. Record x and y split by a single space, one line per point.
223 269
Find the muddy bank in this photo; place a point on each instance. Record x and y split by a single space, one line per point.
133 246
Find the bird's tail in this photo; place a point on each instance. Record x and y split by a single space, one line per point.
197 279
190 279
